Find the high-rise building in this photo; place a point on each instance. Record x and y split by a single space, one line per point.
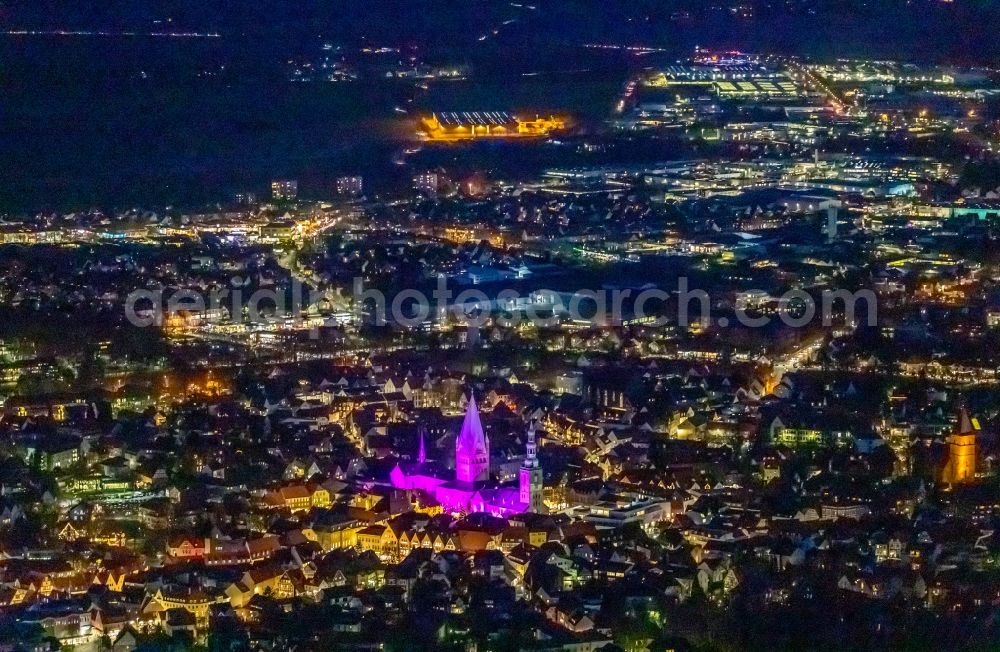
426 183
350 186
530 478
284 189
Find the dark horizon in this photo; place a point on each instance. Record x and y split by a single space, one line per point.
116 121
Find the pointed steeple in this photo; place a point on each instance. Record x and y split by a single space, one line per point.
965 425
531 455
472 447
422 452
472 436
962 451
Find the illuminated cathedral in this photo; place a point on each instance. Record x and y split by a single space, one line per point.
471 489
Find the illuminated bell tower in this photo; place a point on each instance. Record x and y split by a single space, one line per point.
531 480
961 465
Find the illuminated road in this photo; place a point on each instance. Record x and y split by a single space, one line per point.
797 358
811 80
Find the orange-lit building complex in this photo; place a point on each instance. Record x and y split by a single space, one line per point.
463 235
470 125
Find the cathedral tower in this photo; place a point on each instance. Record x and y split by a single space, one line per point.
472 448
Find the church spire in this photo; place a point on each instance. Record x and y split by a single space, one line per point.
422 452
962 451
472 447
965 423
472 436
531 449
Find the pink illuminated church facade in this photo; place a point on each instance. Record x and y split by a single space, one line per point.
471 489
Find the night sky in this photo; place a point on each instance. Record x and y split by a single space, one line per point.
118 119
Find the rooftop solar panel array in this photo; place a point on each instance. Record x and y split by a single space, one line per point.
759 87
475 119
